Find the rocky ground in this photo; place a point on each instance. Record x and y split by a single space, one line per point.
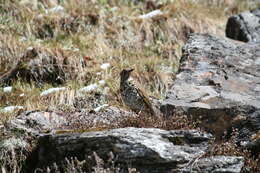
60 106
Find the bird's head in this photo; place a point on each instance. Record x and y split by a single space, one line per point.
125 73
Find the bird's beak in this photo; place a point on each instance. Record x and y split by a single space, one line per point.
132 69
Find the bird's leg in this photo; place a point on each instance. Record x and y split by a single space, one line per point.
140 110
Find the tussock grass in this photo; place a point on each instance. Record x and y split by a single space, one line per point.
90 33
229 147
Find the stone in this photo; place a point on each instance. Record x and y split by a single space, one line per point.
100 116
217 83
249 133
147 149
244 26
223 164
37 122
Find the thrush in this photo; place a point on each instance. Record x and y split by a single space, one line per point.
133 97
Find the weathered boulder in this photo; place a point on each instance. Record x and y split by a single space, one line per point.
244 26
25 130
148 150
218 83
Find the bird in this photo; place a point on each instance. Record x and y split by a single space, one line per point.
134 97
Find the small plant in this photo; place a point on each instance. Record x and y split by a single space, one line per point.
92 164
230 148
175 122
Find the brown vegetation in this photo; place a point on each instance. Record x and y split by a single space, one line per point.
89 33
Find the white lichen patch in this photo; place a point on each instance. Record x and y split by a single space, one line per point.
10 109
101 107
151 14
13 143
51 91
102 82
105 66
7 89
106 91
56 9
89 88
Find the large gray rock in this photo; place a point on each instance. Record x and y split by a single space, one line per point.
218 83
244 26
148 150
216 164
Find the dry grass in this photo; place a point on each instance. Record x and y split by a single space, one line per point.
230 148
93 164
105 31
97 32
176 122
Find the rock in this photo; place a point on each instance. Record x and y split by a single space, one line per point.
100 116
244 26
38 66
249 133
148 150
218 83
223 164
37 121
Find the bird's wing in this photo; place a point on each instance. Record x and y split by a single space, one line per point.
146 100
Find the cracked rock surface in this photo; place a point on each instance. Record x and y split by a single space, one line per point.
218 83
148 149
